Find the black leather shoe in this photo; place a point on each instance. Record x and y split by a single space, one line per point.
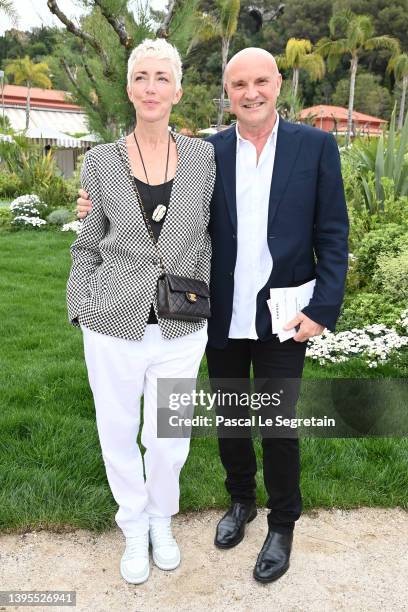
231 528
273 560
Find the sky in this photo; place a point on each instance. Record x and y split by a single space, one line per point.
34 13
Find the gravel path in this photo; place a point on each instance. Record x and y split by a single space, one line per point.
342 560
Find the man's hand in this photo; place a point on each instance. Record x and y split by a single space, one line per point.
307 327
84 205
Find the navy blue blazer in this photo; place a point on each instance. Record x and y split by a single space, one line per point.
307 227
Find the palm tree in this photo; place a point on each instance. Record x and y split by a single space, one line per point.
298 56
358 36
7 7
27 72
223 23
399 66
228 23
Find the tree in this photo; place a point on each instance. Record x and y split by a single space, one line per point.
299 18
288 106
388 17
196 107
298 56
228 13
218 19
8 9
357 37
30 74
223 23
399 66
369 96
95 53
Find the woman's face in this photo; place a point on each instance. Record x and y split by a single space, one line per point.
153 89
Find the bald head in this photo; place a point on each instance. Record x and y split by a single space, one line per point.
251 56
252 82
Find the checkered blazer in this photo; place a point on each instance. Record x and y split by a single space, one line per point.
115 268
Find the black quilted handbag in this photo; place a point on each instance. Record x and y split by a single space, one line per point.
182 298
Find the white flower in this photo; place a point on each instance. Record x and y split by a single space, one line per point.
376 342
23 220
74 226
27 206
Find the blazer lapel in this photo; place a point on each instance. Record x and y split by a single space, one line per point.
181 179
226 167
287 149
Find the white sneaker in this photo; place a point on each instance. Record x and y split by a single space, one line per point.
166 553
134 565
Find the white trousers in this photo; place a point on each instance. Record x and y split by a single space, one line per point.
121 371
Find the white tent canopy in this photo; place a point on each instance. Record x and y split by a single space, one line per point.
63 122
208 131
49 135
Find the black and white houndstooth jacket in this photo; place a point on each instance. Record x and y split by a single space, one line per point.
115 267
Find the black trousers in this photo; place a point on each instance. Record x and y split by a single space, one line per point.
281 458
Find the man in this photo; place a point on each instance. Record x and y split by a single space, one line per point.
278 219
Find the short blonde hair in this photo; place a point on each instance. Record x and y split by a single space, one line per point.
160 49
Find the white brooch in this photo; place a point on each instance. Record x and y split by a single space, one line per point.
159 213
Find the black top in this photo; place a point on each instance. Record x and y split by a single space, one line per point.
151 196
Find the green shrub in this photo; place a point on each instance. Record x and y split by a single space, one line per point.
391 208
55 193
366 308
74 182
379 159
375 174
59 216
5 217
391 276
389 240
10 185
37 173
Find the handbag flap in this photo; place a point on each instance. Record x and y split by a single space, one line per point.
184 284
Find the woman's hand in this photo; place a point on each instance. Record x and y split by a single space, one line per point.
84 204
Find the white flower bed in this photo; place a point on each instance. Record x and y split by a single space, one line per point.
374 343
74 226
27 206
25 221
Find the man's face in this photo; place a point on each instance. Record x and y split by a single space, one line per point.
253 84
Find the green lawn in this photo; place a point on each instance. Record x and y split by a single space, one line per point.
51 470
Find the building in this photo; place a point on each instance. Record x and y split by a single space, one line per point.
54 118
334 119
49 108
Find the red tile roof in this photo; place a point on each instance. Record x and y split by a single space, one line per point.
326 110
15 95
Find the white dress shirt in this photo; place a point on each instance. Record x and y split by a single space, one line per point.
254 262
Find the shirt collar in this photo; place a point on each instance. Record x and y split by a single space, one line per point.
270 137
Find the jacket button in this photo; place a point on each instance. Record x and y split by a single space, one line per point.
271 236
231 273
234 236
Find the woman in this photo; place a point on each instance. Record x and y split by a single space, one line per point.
112 295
